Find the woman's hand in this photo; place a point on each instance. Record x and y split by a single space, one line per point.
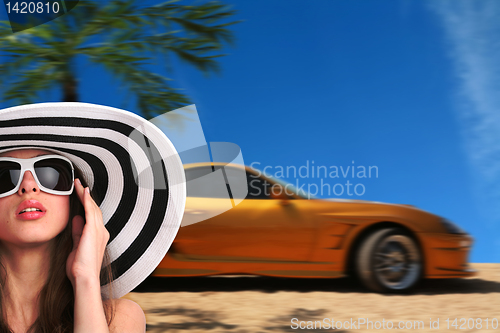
89 240
83 269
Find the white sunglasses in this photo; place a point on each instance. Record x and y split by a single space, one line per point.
53 174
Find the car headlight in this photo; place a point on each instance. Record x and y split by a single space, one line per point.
451 227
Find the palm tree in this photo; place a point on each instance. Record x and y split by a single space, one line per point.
123 38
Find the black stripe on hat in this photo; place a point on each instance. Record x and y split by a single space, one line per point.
69 122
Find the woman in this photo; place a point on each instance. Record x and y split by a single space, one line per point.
52 254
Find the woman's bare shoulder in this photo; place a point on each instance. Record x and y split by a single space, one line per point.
128 317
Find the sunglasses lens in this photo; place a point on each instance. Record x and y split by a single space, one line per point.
9 176
54 174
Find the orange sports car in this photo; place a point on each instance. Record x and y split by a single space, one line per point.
390 247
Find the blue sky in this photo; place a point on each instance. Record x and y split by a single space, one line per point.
408 86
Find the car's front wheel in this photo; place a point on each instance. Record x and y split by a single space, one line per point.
389 260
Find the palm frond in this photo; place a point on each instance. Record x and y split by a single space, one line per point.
122 36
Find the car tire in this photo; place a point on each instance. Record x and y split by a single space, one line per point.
389 260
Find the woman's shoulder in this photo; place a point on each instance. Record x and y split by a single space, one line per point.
128 316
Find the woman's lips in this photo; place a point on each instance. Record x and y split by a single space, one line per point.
30 210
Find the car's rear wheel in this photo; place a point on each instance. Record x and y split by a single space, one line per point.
389 260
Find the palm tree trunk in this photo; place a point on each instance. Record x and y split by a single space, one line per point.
70 89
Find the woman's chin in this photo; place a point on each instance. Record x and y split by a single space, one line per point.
31 233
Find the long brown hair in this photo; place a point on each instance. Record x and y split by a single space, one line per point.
56 299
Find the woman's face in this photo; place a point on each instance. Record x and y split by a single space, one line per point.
21 226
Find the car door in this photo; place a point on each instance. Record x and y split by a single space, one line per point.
261 228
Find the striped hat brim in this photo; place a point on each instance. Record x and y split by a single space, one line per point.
133 170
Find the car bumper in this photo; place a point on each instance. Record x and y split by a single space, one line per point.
447 255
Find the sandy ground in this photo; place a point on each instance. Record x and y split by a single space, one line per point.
257 304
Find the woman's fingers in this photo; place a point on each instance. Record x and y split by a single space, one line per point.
79 189
95 217
92 211
94 234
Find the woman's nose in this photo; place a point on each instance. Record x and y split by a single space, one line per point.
28 185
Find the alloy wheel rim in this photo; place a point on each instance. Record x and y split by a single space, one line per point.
396 262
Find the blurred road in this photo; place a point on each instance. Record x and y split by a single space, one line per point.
259 304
